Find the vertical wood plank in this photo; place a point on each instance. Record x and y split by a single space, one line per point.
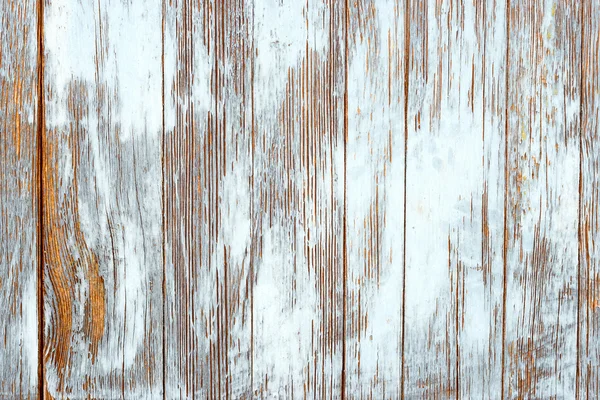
454 200
18 200
102 199
208 225
298 202
543 159
588 348
375 198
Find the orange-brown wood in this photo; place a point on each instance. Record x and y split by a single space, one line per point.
19 200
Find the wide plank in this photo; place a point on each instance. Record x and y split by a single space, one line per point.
210 235
375 172
541 207
299 208
454 199
102 243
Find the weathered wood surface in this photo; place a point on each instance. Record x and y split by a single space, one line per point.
19 200
103 265
299 199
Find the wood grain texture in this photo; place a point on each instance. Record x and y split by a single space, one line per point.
454 204
299 199
19 175
375 166
299 174
542 173
102 200
209 239
588 294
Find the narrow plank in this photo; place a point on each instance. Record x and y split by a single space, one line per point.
542 170
18 200
454 199
102 199
588 295
375 198
208 196
298 202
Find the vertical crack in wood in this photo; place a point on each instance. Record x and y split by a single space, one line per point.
163 222
40 197
345 218
406 88
345 215
506 194
579 208
252 218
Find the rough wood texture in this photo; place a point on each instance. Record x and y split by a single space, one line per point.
374 181
209 244
102 199
299 199
18 200
588 292
454 206
541 212
299 207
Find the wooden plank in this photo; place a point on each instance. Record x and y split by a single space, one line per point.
298 202
542 170
18 199
588 295
454 199
375 198
210 238
102 199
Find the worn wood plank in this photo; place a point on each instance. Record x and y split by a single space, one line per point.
299 154
454 195
542 178
19 175
588 295
210 235
375 198
102 199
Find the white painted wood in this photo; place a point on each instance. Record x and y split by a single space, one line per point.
454 206
543 128
102 199
18 200
375 198
588 294
208 224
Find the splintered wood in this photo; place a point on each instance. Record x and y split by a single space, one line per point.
257 199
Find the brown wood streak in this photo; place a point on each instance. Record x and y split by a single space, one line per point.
59 252
40 195
18 200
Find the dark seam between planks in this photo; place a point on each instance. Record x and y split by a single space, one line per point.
506 193
406 88
253 229
40 196
579 204
163 206
345 218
